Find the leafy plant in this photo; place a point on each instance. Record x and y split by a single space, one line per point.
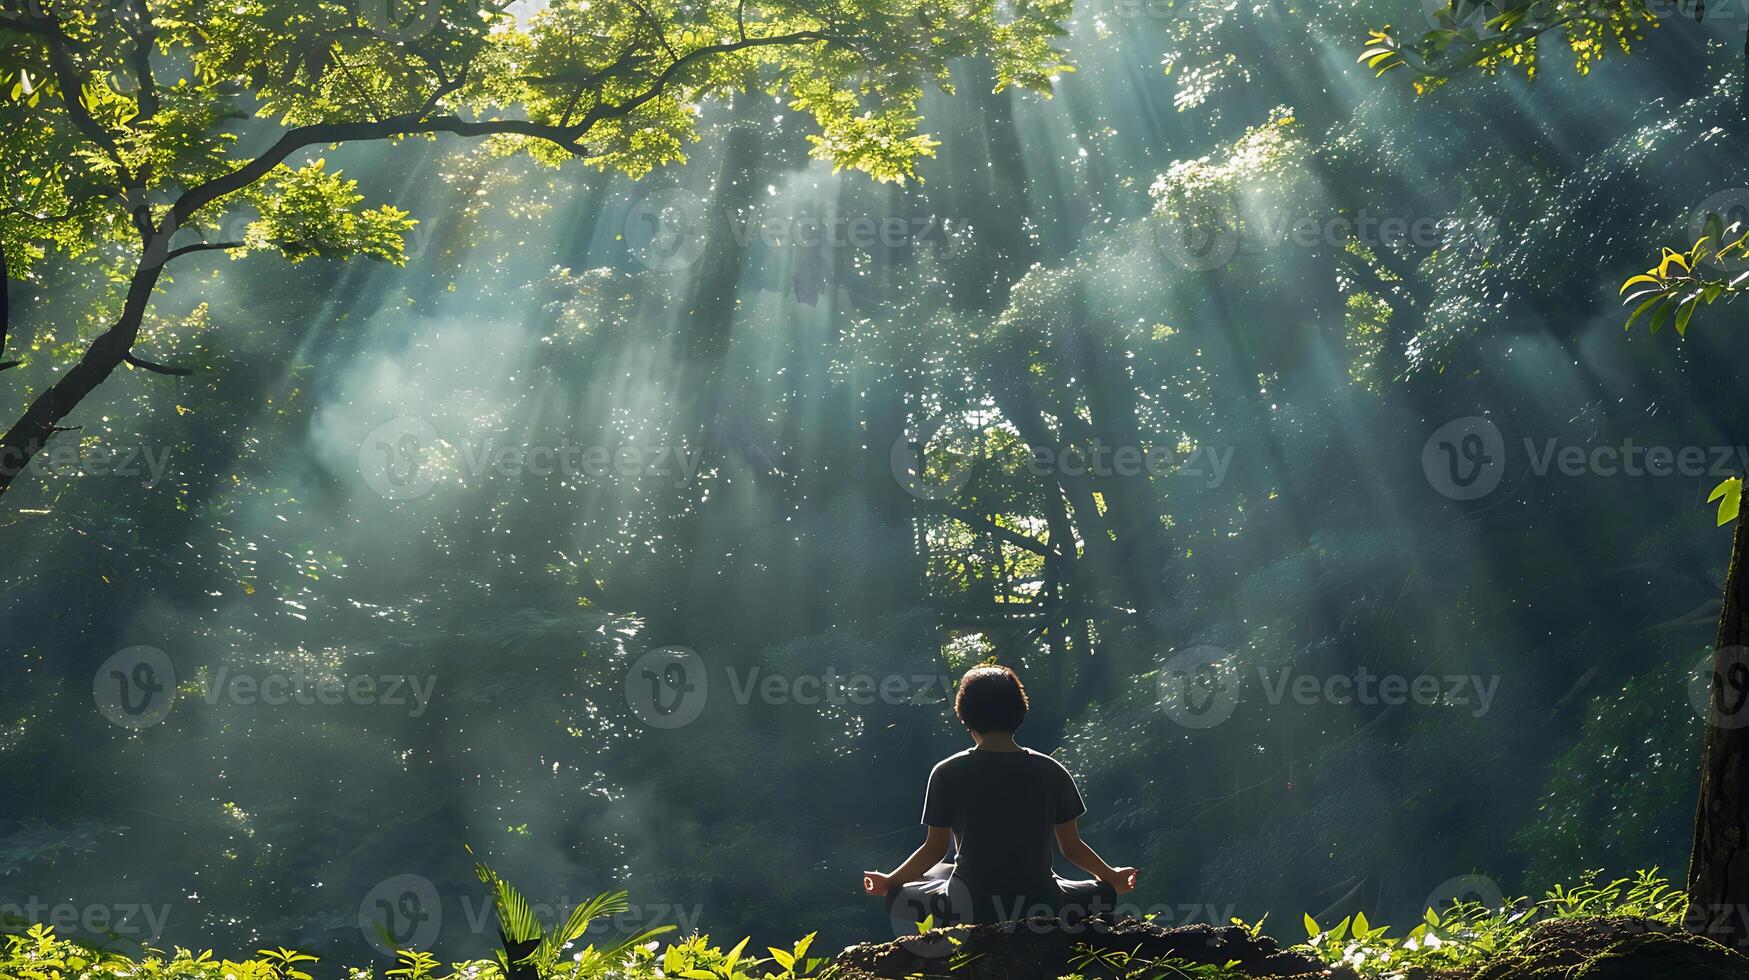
1467 934
520 929
284 963
413 965
1126 965
1484 35
1681 281
1729 494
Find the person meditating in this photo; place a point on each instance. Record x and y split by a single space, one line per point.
1001 804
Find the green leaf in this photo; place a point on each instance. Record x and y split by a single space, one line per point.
1687 313
1641 309
1663 314
735 955
1729 494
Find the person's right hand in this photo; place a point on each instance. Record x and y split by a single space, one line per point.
1123 880
875 883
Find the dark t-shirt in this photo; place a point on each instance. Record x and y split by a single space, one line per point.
1004 808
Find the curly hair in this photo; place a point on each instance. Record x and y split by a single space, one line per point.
991 699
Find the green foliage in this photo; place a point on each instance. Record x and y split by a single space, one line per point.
312 213
39 955
1708 271
1122 965
1468 934
1624 790
518 924
1729 494
628 76
1462 936
120 117
1487 34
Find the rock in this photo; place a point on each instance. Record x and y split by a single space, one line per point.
1045 949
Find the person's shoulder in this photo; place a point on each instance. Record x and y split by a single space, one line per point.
1046 761
956 761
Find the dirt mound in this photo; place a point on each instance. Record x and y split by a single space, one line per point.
1614 949
1044 949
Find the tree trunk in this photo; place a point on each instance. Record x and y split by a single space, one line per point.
31 432
1718 870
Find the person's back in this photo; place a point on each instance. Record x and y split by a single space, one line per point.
1004 808
1001 805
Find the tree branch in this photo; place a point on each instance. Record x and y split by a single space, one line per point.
72 84
202 247
5 310
987 525
142 60
153 366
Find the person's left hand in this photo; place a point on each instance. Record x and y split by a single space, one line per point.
1123 880
875 883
